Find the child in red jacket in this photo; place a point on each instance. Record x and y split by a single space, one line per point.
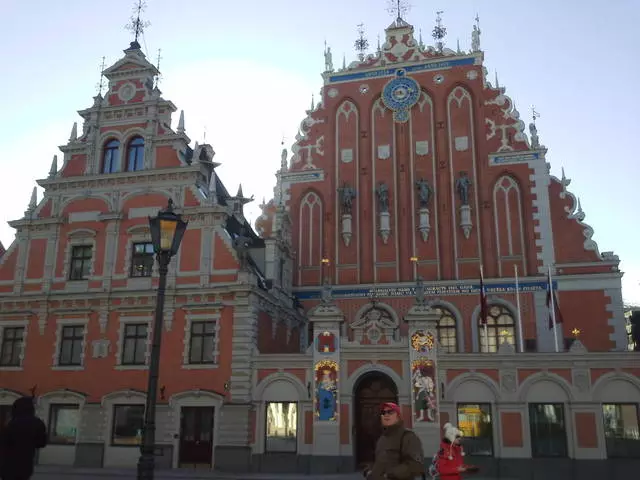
448 461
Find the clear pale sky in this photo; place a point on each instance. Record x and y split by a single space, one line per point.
245 73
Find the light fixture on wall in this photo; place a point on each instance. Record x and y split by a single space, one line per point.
227 386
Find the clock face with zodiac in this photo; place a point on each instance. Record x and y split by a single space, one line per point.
400 95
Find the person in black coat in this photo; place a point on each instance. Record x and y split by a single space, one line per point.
19 440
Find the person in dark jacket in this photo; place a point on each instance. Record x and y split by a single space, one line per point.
19 440
398 451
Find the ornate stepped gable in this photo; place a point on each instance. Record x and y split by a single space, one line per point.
347 94
132 107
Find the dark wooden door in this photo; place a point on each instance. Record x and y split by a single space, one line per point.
196 436
371 393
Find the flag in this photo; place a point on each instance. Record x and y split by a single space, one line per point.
484 307
554 310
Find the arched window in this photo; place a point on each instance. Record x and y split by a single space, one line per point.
135 155
111 157
501 327
447 334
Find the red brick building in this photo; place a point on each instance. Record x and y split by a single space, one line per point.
411 173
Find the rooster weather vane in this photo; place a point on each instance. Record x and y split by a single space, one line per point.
137 25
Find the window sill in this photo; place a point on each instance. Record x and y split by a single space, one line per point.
11 368
132 367
200 366
72 368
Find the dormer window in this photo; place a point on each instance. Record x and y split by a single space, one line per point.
111 158
135 155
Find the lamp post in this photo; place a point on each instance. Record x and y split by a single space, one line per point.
167 230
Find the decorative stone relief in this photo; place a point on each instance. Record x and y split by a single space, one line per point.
364 89
384 152
100 348
581 380
103 320
422 147
346 155
333 92
508 381
379 320
472 74
438 79
461 144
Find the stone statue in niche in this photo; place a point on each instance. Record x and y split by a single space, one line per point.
283 159
347 194
382 192
242 244
326 296
475 39
424 192
463 184
421 297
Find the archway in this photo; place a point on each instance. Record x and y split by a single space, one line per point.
371 390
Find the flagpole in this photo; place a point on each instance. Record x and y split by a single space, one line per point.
482 312
553 312
520 334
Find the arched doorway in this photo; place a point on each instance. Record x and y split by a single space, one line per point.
372 390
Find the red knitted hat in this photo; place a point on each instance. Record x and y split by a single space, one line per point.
391 406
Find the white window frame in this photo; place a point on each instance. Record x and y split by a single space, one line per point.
200 317
124 321
13 324
79 238
68 322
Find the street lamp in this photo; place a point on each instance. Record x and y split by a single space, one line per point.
167 230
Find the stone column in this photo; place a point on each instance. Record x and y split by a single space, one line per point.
423 358
326 320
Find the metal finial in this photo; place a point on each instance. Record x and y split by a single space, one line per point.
439 31
159 57
137 25
398 8
204 136
534 114
361 44
100 84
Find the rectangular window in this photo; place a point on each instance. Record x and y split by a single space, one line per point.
202 344
621 430
475 422
281 427
548 430
12 345
134 344
127 425
142 259
80 262
71 339
63 424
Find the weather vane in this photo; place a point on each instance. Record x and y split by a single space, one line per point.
362 44
100 84
534 114
137 25
398 8
439 31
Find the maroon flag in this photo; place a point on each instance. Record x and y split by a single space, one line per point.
484 307
552 304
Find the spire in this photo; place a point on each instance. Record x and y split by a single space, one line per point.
344 61
497 82
313 102
420 42
439 32
137 25
239 194
33 203
180 129
100 84
379 47
74 132
361 44
158 75
398 8
458 51
54 167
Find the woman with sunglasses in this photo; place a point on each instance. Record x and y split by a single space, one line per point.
398 453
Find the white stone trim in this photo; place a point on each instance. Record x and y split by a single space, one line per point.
67 200
123 322
604 383
98 151
540 181
137 234
7 397
450 391
189 319
68 322
57 397
259 390
10 324
195 398
348 383
527 384
617 321
460 333
498 188
311 208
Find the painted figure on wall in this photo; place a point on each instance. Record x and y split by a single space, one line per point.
326 373
422 342
424 391
326 342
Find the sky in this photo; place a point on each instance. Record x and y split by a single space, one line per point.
245 72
